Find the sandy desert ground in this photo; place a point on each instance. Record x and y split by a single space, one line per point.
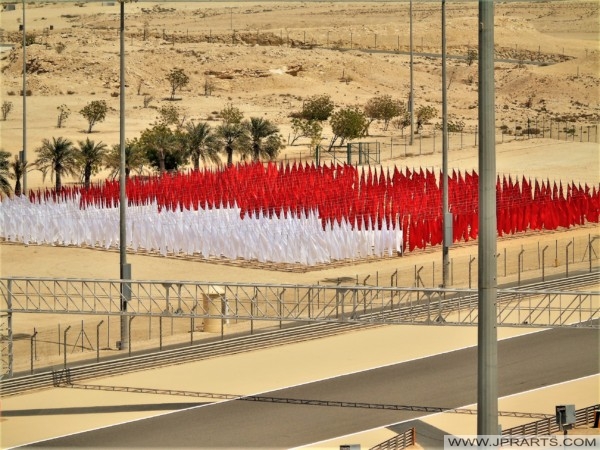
266 59
247 50
218 41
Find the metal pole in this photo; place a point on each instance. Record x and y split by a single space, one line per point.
447 219
125 269
411 102
9 332
544 262
24 93
65 345
567 259
32 355
98 341
129 330
487 338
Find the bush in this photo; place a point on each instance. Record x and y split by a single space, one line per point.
6 109
30 38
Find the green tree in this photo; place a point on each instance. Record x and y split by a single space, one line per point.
135 159
454 126
57 157
231 114
94 112
177 79
162 147
231 137
264 138
90 158
311 129
169 115
347 124
402 121
200 144
383 108
317 107
4 173
423 114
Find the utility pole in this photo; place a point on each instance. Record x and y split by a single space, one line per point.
125 269
447 216
411 101
24 94
487 338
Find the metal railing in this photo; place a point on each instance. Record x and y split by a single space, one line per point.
546 305
244 307
398 442
583 417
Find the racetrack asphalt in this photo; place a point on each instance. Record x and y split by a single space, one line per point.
447 380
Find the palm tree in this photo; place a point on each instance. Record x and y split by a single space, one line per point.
199 143
59 157
18 168
266 141
231 135
135 159
4 173
90 158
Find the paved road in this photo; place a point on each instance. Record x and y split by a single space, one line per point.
447 380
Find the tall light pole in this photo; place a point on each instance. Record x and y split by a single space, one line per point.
125 269
24 93
447 216
411 101
487 338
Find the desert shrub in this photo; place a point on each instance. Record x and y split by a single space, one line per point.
60 47
63 114
147 100
6 108
30 38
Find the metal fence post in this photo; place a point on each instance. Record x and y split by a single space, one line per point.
129 331
543 262
520 266
65 345
98 341
567 258
160 332
32 343
471 259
